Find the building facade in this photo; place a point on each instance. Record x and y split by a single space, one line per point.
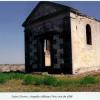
60 39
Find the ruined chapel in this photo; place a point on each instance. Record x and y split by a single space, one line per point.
60 39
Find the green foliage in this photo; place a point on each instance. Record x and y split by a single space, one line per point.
28 80
12 75
38 81
87 80
18 76
3 79
50 80
8 76
67 82
46 80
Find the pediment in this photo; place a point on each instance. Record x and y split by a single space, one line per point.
44 8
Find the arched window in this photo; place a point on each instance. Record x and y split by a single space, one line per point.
88 35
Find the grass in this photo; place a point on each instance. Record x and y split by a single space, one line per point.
50 80
29 82
45 80
88 80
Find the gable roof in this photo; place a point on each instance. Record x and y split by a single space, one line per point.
49 3
56 5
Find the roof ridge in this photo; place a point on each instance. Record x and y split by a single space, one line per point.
60 5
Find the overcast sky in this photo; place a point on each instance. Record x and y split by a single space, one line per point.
13 14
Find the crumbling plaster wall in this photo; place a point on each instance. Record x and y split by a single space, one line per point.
84 57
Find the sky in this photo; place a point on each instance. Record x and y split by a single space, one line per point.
14 13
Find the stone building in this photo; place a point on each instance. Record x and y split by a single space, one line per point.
60 39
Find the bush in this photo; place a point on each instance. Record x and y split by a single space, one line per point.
2 80
88 80
50 80
12 75
17 76
47 80
38 81
28 80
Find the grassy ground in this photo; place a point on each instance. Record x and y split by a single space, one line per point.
18 82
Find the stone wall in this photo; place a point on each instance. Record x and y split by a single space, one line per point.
12 67
37 30
58 51
84 57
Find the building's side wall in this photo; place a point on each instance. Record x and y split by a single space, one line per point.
84 57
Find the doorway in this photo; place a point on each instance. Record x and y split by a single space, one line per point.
47 53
